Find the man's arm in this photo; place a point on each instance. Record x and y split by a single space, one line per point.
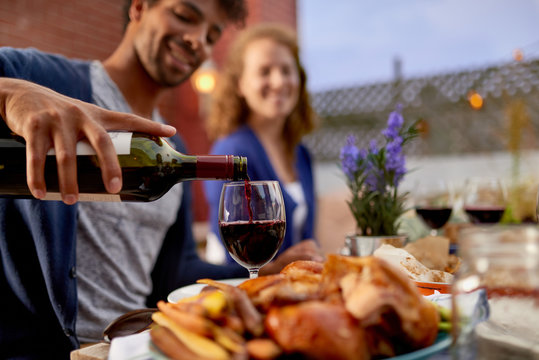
47 119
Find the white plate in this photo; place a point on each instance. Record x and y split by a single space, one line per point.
194 289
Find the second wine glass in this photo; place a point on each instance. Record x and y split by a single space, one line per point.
252 222
433 201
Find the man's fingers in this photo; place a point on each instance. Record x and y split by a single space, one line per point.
129 122
66 160
35 165
108 159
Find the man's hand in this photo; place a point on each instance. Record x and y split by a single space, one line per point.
47 119
305 250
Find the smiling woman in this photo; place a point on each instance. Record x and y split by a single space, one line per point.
261 109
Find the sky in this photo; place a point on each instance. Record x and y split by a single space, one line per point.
354 42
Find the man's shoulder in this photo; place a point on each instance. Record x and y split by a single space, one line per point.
32 56
67 76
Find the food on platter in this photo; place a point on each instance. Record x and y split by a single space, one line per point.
299 281
433 252
409 265
346 308
318 330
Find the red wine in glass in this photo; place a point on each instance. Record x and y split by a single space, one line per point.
253 243
485 214
485 200
433 198
252 222
434 217
248 191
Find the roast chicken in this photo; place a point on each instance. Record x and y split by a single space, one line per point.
346 308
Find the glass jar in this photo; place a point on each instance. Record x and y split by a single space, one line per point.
495 298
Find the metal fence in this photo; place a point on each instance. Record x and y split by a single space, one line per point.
509 115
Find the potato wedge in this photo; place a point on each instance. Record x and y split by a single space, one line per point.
200 345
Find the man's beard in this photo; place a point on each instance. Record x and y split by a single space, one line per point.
169 81
156 68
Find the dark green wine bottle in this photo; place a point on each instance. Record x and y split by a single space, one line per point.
150 167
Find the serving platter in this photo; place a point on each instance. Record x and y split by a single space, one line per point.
442 343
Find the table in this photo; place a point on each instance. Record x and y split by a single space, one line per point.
99 351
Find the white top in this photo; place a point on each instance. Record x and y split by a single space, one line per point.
295 190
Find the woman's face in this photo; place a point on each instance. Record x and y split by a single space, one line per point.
269 81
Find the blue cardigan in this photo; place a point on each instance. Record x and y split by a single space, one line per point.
244 142
38 239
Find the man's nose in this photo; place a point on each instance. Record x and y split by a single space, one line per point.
198 40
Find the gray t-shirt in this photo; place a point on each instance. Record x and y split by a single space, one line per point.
117 243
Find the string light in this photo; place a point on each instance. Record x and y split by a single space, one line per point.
475 100
205 83
518 55
204 78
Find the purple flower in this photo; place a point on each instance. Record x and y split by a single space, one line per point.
394 147
349 157
375 180
373 147
363 153
394 125
371 180
395 162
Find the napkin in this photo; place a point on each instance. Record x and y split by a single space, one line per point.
409 265
132 347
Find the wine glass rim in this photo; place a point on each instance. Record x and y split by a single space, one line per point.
254 182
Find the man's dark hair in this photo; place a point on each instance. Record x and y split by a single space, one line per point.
236 10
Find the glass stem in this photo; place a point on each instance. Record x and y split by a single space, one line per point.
253 273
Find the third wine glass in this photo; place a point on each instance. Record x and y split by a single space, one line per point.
485 199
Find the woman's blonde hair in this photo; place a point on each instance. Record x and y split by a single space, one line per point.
229 110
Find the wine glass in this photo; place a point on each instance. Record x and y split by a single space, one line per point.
252 222
433 202
537 208
484 199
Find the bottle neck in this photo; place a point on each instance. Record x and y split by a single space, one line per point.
192 167
227 167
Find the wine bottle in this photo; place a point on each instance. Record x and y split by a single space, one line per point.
150 167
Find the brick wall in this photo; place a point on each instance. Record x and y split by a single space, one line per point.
275 10
76 28
91 29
